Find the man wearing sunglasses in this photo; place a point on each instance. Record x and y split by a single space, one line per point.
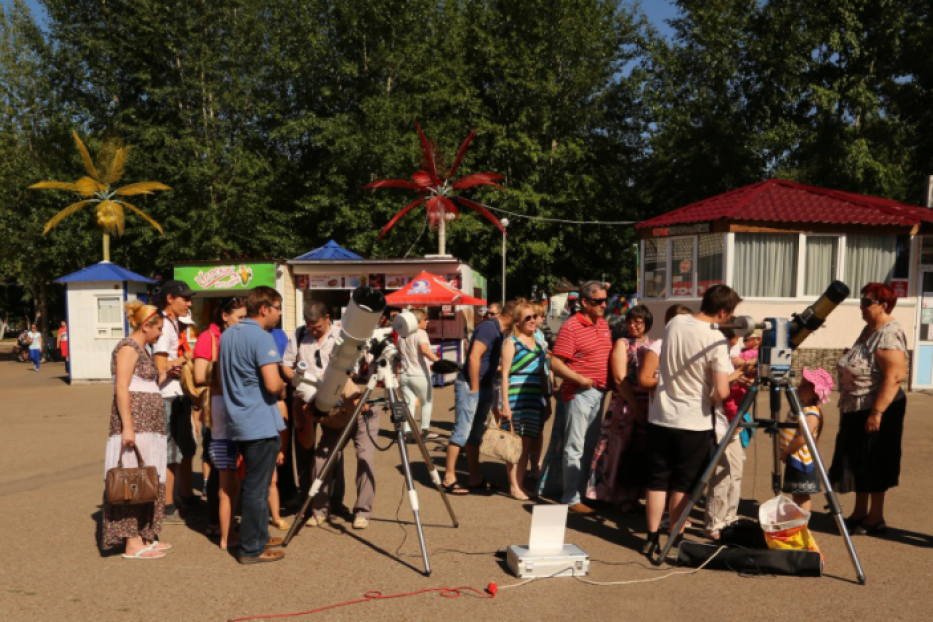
581 358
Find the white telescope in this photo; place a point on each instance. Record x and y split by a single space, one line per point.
356 327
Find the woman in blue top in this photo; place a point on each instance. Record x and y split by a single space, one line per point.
526 410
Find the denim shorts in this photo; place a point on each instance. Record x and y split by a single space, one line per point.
471 410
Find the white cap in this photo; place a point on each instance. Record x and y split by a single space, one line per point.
186 319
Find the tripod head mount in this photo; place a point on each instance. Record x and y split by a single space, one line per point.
781 336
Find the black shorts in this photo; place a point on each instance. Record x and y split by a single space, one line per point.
676 458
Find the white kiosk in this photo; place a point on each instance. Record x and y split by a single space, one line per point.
94 300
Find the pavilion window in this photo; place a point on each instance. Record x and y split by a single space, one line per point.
766 265
822 254
655 283
709 261
876 259
683 269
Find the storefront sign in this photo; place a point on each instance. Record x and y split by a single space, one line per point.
900 287
227 277
692 229
395 281
337 281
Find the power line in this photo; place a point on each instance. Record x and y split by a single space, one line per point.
561 220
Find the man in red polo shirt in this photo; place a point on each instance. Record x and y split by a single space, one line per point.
581 358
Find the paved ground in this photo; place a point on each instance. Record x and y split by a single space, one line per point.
51 468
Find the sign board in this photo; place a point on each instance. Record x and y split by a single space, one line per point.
691 229
227 277
395 281
900 287
685 266
336 281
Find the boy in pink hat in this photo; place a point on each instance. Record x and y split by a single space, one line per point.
800 477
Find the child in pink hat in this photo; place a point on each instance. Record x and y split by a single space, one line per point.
800 477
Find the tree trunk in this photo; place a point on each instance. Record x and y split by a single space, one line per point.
106 246
442 235
43 308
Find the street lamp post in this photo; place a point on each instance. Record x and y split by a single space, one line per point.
505 223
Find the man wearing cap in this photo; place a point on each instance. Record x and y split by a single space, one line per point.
175 302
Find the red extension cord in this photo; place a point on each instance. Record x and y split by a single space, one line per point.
445 592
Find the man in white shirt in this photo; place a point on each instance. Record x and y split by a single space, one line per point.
175 302
694 375
313 344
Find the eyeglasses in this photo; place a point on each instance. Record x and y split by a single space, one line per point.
598 301
635 320
278 308
317 358
867 302
530 317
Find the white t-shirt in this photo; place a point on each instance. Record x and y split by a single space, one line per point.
736 350
656 348
168 344
692 351
414 362
309 351
218 417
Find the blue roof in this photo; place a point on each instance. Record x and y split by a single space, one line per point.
329 251
104 271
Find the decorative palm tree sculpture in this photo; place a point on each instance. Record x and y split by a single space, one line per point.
440 195
97 188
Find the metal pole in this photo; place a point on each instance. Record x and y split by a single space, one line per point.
505 223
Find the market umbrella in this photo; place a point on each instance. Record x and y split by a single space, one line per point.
430 289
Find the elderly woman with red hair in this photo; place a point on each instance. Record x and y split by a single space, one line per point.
867 459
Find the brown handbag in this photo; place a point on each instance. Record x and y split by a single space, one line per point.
131 486
501 444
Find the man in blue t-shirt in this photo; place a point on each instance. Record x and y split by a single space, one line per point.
474 392
249 369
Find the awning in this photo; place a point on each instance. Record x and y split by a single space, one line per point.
433 290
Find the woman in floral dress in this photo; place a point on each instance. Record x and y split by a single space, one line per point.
137 419
616 473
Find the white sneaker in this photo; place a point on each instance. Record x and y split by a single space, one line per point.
360 522
316 521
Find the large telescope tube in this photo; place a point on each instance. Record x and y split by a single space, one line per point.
814 315
356 327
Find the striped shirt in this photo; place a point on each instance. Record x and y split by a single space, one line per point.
801 460
585 348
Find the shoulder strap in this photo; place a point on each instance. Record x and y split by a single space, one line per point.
299 337
213 345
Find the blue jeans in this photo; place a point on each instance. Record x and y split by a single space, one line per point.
259 456
471 410
35 355
584 418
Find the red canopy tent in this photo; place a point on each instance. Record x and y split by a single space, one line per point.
428 289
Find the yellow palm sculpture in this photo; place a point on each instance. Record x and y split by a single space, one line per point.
96 188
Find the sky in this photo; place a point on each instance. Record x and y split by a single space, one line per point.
656 10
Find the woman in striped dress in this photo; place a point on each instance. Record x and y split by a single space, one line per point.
525 410
137 418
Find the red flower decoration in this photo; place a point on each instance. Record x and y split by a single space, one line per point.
439 194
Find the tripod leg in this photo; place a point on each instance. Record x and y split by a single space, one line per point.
794 399
409 481
776 465
746 403
328 467
432 469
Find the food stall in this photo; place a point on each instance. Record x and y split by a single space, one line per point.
214 281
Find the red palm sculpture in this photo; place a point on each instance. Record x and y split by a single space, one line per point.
440 194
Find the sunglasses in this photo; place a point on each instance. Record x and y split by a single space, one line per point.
530 317
867 302
234 303
598 301
317 359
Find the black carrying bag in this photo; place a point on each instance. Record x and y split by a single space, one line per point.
751 561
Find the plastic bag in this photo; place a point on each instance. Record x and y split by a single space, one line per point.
785 525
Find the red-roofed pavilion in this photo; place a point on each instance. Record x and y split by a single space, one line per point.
779 244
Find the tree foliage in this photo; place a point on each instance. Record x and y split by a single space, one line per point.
268 119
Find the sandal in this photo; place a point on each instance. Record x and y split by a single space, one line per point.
159 546
876 529
281 524
455 489
145 553
852 523
483 485
212 531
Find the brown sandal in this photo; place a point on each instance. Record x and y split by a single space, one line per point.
267 556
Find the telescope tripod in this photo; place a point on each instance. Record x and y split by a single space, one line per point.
399 414
777 384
